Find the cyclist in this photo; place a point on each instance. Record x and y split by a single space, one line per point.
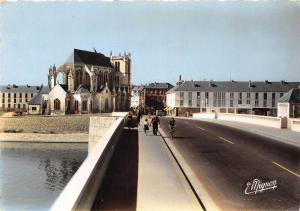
172 125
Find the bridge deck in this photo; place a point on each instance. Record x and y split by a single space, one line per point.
143 175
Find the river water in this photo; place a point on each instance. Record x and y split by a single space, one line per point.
32 175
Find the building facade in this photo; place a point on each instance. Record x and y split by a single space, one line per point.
242 97
153 96
289 104
16 98
90 82
135 96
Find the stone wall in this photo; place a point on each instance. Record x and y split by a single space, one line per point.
98 127
46 124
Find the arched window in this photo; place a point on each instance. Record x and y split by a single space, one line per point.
105 78
56 104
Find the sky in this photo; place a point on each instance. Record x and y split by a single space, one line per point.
211 40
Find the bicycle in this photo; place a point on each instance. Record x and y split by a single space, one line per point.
172 131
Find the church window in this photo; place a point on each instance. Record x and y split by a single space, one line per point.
76 105
84 105
56 104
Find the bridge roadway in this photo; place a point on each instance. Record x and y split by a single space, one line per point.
224 159
143 175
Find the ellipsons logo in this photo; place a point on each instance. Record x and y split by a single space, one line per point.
256 186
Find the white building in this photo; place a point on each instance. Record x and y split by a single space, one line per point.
248 97
16 98
135 96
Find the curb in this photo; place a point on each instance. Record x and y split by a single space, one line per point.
257 132
201 194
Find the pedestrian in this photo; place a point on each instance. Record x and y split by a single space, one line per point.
155 121
129 121
146 125
138 116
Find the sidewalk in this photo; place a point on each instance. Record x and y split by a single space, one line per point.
161 184
282 135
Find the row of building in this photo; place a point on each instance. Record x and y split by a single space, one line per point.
239 97
89 82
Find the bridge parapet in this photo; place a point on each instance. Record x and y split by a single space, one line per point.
80 192
252 119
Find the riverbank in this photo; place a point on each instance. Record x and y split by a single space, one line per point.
68 128
66 124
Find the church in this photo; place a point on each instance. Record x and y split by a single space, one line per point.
89 82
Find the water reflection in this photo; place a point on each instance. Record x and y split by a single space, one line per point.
33 174
58 173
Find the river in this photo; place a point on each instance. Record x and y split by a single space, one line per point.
32 175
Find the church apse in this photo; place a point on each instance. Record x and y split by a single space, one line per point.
97 76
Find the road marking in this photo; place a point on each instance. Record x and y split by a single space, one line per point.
297 175
201 128
224 139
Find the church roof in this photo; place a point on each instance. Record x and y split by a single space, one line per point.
88 57
292 96
64 86
36 100
82 89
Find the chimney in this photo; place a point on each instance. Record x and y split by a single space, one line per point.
250 84
282 82
8 86
179 78
266 82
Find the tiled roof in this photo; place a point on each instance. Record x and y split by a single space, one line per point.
44 90
19 89
64 86
36 100
87 57
159 86
82 89
237 86
292 96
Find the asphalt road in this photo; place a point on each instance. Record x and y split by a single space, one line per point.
225 159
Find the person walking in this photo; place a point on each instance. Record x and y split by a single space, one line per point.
138 116
172 125
155 121
146 125
129 121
